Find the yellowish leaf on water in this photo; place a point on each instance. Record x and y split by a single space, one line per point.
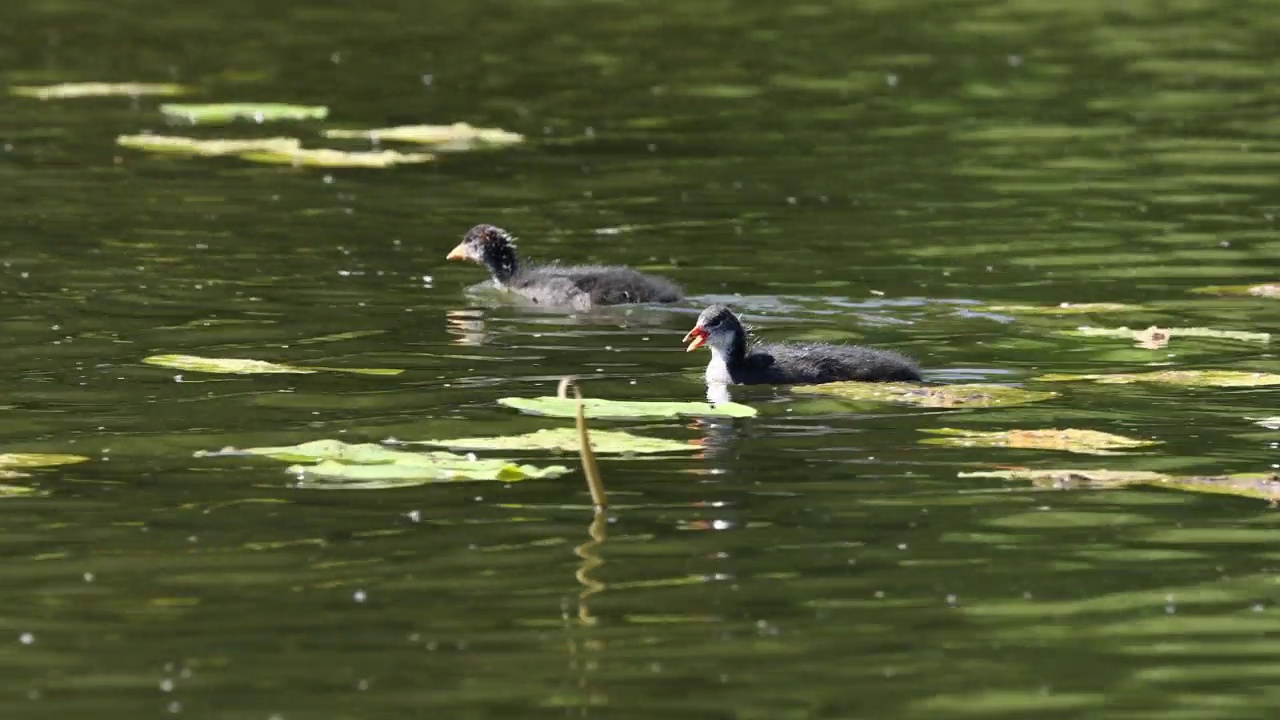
242 366
1267 290
324 157
13 465
458 135
1189 378
1065 308
1090 442
224 113
63 91
970 395
1263 485
1155 338
195 146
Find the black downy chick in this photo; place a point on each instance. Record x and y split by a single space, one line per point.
579 287
736 361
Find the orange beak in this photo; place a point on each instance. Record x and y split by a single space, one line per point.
696 338
458 253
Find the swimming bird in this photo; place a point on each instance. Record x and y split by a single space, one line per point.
736 360
579 287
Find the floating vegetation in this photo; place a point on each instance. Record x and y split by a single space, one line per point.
458 135
1089 442
14 465
65 91
242 366
226 113
566 440
370 466
624 409
1154 338
1268 290
194 146
1189 378
324 157
972 395
1263 486
1065 308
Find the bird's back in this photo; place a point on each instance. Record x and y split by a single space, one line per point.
823 363
587 285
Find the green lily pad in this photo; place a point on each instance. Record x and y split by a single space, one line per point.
1090 442
458 135
340 465
566 440
1189 378
1062 308
241 366
1152 334
972 395
225 113
624 409
1262 486
63 91
324 157
194 146
1268 290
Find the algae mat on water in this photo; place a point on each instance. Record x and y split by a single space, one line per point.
1091 442
369 466
1186 378
1261 486
975 395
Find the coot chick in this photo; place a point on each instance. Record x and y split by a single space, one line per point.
576 286
734 361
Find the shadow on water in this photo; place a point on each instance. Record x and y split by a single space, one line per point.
903 174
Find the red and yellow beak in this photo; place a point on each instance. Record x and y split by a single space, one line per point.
458 253
696 338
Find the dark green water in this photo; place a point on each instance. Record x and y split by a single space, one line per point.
814 562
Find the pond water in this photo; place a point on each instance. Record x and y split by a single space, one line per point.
873 171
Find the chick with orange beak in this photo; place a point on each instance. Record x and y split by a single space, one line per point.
733 362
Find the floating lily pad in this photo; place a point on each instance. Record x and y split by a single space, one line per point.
195 146
1090 442
64 91
566 440
1263 486
13 464
225 113
972 395
340 465
324 157
1154 338
624 409
1190 378
242 366
458 135
1062 308
1269 290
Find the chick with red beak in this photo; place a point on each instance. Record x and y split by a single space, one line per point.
734 363
696 338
